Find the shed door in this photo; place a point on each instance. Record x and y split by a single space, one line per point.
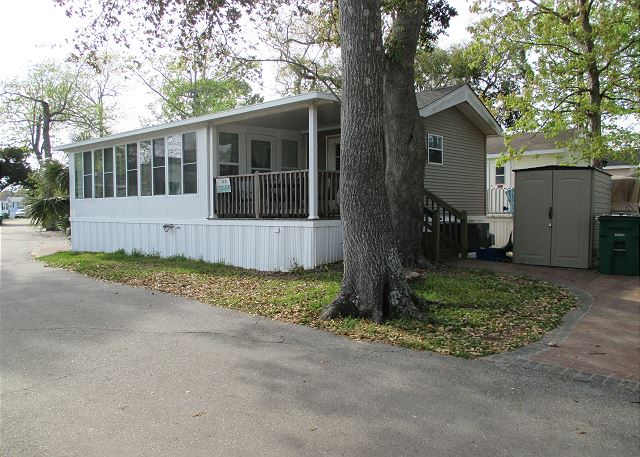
571 218
532 230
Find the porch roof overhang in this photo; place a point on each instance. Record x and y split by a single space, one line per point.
466 100
289 112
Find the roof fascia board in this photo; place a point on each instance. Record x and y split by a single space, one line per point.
262 108
461 95
536 152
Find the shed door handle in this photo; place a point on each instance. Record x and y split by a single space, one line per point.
551 212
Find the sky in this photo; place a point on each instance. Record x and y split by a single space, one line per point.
33 30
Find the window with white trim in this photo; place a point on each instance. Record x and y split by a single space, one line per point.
189 164
107 164
174 155
121 172
145 168
98 188
87 166
229 153
499 175
78 173
159 187
435 151
132 170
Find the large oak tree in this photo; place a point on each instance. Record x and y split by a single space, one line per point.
373 285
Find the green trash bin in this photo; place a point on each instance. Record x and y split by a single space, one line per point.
619 245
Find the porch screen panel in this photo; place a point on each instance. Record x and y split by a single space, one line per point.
107 164
132 170
189 163
87 174
98 187
159 187
145 168
121 172
260 155
78 174
290 155
174 154
229 153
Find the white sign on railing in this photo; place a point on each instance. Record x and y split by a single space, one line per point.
223 185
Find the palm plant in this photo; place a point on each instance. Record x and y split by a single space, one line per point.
48 204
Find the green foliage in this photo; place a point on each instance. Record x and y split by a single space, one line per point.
14 168
492 76
191 86
48 204
584 70
55 101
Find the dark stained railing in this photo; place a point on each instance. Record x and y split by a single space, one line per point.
443 224
280 194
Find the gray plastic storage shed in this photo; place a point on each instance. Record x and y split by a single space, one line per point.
555 215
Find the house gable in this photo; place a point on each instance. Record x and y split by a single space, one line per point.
460 179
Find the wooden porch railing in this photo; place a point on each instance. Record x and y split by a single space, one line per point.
280 194
443 224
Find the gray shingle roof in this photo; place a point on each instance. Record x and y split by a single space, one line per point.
427 97
530 142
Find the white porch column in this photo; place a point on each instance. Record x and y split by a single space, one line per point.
313 162
213 167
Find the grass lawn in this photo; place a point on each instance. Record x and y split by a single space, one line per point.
479 312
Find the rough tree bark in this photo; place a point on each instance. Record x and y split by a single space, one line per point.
404 133
373 284
46 130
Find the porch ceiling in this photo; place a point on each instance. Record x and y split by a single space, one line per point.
295 118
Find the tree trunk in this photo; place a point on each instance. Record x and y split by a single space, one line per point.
46 131
594 114
373 284
404 134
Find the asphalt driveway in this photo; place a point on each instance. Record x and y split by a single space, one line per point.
91 368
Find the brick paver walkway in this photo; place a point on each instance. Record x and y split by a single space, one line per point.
605 339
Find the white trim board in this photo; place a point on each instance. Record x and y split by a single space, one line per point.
462 95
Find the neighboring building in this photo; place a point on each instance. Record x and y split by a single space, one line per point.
538 152
9 205
256 186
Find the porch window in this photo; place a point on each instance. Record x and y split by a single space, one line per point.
121 172
174 154
189 163
229 153
87 174
145 168
132 170
98 187
435 149
260 155
158 167
107 164
78 174
499 176
290 155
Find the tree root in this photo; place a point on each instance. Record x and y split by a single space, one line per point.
397 302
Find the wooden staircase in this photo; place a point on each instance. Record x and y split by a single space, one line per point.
445 229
